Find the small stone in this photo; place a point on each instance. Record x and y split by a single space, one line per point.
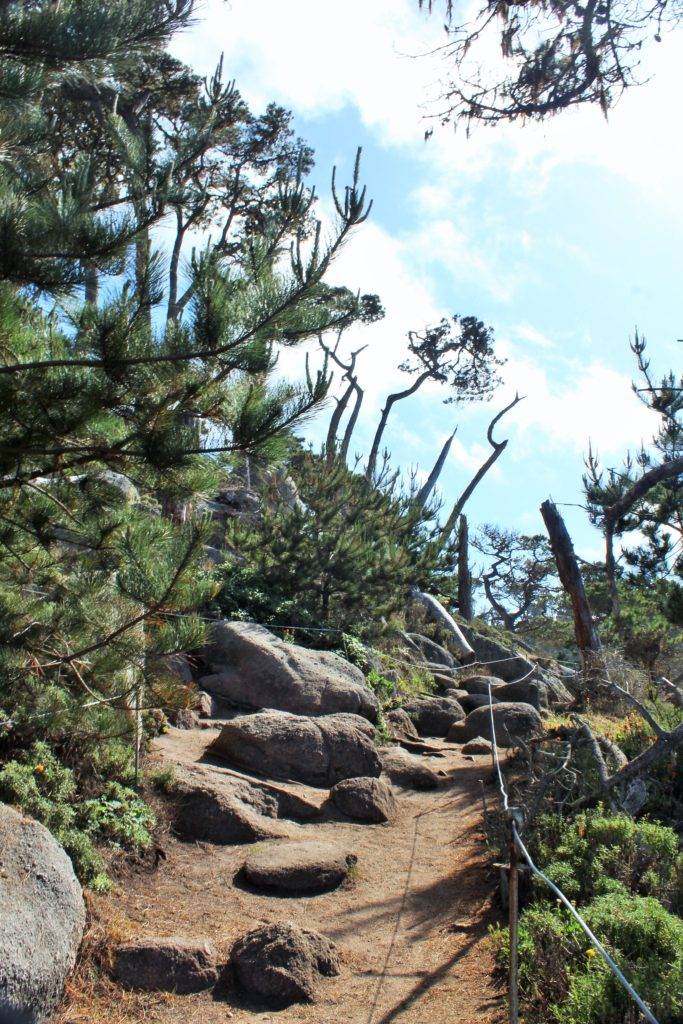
184 718
204 704
370 800
478 746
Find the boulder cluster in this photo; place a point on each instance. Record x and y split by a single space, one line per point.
294 733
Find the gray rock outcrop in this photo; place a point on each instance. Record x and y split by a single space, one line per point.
319 751
507 666
253 668
42 917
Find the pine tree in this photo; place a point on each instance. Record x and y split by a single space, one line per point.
343 556
106 407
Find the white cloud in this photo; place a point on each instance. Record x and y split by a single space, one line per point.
580 403
318 57
377 57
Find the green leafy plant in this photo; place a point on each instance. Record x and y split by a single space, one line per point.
38 783
597 852
563 980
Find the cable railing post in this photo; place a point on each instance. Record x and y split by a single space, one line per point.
514 817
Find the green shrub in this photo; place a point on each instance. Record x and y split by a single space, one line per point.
563 980
44 788
647 944
597 852
118 817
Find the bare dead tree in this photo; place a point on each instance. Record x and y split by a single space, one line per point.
587 639
349 375
498 449
423 495
464 573
555 56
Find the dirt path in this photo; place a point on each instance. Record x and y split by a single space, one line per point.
411 927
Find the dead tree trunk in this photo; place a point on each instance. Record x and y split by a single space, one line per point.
438 613
498 449
425 491
464 574
587 639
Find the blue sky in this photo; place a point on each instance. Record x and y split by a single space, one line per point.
563 237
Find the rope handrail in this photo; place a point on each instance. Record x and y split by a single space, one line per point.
595 942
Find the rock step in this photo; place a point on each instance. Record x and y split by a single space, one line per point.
298 867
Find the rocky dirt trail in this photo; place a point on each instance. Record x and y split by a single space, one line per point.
411 923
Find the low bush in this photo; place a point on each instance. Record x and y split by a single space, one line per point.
564 981
42 786
594 853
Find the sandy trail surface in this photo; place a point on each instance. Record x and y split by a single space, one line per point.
411 925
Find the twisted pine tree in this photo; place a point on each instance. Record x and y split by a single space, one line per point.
112 413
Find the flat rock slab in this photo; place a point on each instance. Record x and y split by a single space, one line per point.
304 867
224 811
42 917
366 800
281 963
166 965
319 751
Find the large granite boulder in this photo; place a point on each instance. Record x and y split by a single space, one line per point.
528 691
407 770
475 700
254 669
506 665
367 800
319 751
281 963
166 965
308 866
480 684
512 722
433 716
42 917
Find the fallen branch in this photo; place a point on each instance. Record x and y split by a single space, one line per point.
663 746
439 614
